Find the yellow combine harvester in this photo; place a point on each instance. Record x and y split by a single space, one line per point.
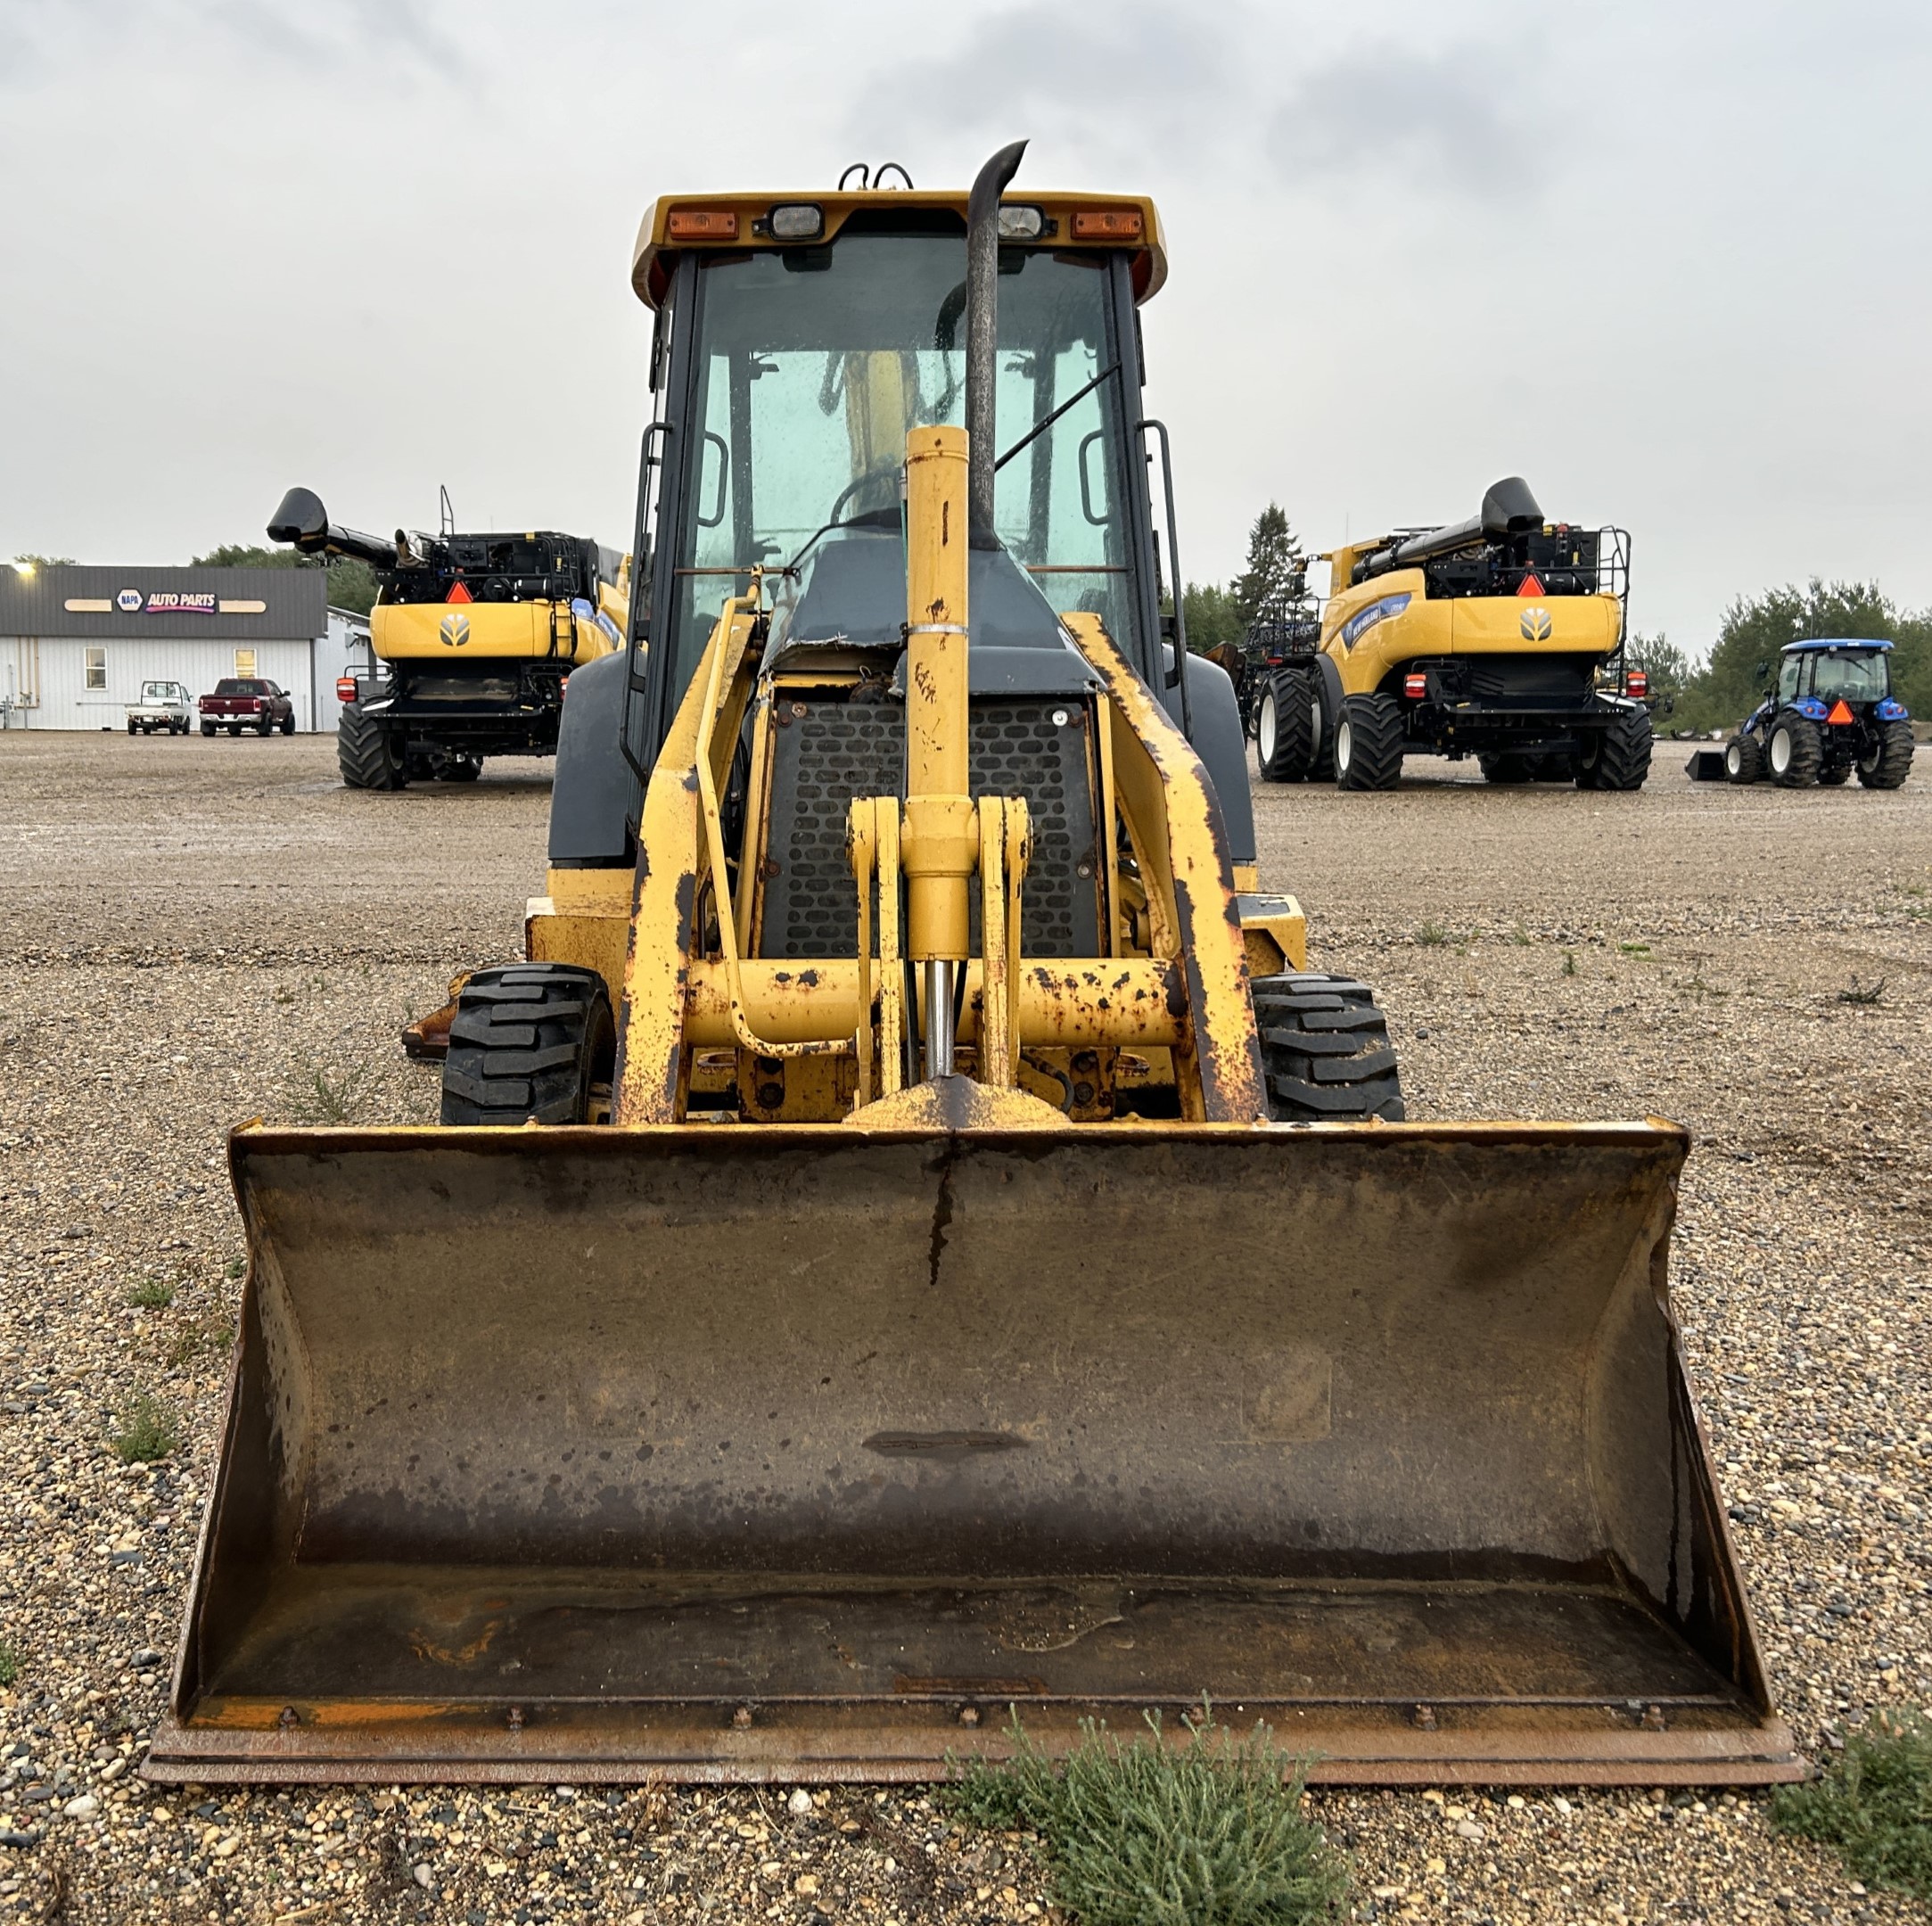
476 636
918 1289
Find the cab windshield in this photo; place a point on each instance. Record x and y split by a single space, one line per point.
1858 675
812 365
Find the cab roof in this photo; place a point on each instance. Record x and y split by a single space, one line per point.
1834 642
1077 222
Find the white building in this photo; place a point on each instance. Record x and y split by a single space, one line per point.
76 644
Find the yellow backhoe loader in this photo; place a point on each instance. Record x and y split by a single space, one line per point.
954 1256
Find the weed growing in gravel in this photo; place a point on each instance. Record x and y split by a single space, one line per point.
1874 1804
1701 988
1569 962
315 1096
1208 1833
10 1665
1432 935
237 1266
1639 950
151 1294
1519 936
149 1431
204 1337
1861 993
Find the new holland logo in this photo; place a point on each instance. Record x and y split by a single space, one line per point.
1534 624
455 629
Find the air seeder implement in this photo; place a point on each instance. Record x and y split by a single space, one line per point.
926 1278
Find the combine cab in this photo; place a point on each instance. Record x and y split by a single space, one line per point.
1831 712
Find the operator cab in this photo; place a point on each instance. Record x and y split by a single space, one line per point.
1828 671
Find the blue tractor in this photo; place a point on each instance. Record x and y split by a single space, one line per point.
1830 712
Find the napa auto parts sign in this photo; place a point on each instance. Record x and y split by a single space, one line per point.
166 602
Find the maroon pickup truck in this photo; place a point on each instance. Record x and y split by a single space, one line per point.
247 702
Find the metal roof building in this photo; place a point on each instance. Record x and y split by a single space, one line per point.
77 643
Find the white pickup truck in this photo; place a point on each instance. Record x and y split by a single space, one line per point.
163 705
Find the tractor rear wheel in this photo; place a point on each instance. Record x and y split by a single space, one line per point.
531 1040
1287 726
1889 762
368 754
1326 1053
1793 750
1368 743
1505 766
1618 756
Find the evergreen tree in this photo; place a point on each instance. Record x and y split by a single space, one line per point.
1276 571
352 583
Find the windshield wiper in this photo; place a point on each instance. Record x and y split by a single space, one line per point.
1040 427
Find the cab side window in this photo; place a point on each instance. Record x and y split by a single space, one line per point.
1788 671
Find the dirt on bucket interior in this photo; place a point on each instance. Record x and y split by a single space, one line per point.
193 932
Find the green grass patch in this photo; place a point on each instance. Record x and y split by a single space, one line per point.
1432 935
315 1096
1874 1804
1519 937
208 1337
1634 949
1206 1832
1569 962
149 1430
237 1268
10 1665
151 1294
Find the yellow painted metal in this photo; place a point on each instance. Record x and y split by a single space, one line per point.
1004 853
518 632
1461 625
655 250
1167 803
940 838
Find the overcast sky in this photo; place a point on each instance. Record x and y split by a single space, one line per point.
1669 262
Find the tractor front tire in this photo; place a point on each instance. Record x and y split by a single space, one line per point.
1744 760
1368 743
367 754
1794 750
1890 763
531 1042
1287 726
1619 757
1504 766
1326 1054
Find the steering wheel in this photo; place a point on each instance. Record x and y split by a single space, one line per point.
878 472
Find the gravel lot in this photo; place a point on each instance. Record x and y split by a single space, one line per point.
197 932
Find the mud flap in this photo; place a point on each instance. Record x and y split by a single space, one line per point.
730 1452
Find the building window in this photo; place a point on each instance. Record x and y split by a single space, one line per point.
244 661
97 668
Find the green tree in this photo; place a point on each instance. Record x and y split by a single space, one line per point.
352 584
1211 619
1668 666
1276 571
1728 686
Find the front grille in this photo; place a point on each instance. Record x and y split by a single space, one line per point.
835 751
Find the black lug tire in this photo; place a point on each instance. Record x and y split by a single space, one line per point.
1326 1054
529 1041
1801 752
367 754
1505 766
1287 727
1891 763
1370 757
1744 759
1619 758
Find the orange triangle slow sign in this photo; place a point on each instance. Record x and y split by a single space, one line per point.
1841 711
1530 585
458 593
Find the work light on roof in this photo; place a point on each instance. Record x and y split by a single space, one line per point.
797 221
1021 223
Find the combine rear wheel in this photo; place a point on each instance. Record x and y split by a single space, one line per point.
1618 756
1794 750
531 1040
1287 726
1368 743
1326 1054
368 753
1888 764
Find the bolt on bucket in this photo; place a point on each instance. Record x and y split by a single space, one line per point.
732 1453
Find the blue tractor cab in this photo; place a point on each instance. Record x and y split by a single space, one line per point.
1830 712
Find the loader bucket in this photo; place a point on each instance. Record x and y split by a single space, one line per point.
715 1453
